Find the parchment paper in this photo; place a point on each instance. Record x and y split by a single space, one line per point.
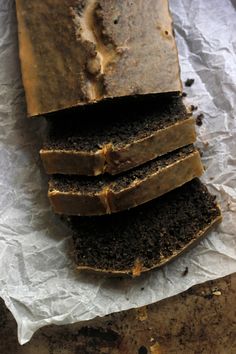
37 279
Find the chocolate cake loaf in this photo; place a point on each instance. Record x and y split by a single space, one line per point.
75 52
116 136
148 236
77 195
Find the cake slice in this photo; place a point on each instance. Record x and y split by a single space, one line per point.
148 236
116 136
75 52
74 195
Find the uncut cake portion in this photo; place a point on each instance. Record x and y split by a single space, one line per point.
75 52
116 136
148 236
81 195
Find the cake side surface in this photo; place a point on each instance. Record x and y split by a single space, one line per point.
75 195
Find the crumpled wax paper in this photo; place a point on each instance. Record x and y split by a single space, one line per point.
37 279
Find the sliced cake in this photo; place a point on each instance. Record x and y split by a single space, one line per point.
75 52
148 236
116 136
77 195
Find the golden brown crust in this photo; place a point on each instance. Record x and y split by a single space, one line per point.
115 160
140 191
75 52
133 272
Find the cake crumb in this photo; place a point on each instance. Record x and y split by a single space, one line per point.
199 119
189 82
184 94
193 108
185 272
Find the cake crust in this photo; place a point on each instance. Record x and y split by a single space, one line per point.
75 52
88 197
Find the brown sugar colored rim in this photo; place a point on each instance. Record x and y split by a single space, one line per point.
139 192
114 160
138 269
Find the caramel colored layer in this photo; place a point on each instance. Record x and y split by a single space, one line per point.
110 199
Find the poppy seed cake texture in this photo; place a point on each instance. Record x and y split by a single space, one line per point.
146 237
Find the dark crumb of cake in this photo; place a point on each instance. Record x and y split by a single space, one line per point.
199 119
159 228
193 108
189 82
184 94
142 289
142 350
185 272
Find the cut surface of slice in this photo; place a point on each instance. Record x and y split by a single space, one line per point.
75 195
75 52
148 236
116 136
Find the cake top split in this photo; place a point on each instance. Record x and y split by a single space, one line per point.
146 237
75 52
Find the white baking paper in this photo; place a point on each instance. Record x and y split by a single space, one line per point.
37 279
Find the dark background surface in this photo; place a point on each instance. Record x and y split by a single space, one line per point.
200 320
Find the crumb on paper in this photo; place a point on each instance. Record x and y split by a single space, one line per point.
199 119
185 272
184 94
193 108
189 82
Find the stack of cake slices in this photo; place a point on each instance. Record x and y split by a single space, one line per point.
119 151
